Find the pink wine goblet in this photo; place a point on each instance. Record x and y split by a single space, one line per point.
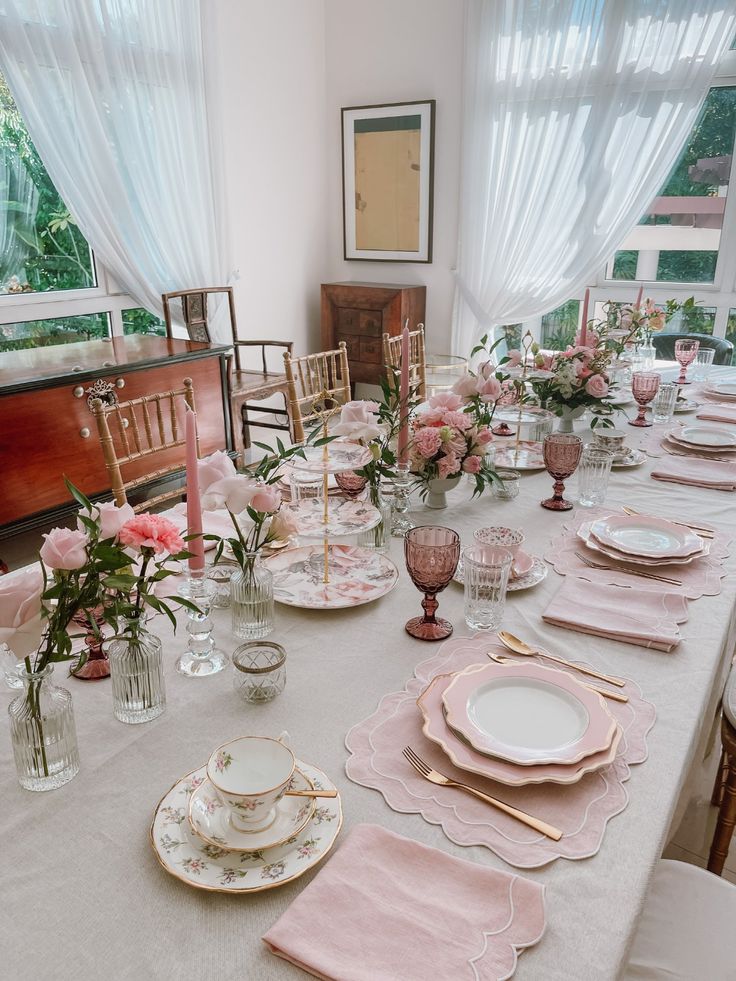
432 554
644 386
685 352
561 453
350 483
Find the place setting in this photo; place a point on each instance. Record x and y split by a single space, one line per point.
526 570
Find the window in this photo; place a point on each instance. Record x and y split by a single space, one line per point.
559 326
51 290
731 332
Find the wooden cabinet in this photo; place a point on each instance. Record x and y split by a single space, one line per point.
360 314
47 430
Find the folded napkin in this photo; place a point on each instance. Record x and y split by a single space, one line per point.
717 413
386 907
633 616
698 473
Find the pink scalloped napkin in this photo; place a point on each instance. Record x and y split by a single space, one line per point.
580 810
646 618
386 907
717 412
698 473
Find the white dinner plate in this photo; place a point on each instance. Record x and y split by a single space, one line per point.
725 388
590 542
646 537
713 437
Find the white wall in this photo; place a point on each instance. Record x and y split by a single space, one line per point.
269 60
399 51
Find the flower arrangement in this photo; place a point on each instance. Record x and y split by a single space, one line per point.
636 324
575 378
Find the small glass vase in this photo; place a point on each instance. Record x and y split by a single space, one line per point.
138 691
378 537
43 732
251 599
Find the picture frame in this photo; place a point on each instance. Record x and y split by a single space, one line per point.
388 181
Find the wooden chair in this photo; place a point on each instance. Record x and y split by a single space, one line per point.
724 792
417 360
143 427
246 385
325 374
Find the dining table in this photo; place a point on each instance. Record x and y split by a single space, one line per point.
84 895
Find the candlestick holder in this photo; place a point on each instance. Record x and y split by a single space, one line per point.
402 481
202 657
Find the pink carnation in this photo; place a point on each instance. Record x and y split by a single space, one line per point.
446 401
471 464
448 465
484 436
458 420
597 387
427 441
151 531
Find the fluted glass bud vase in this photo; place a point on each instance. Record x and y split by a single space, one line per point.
251 599
43 732
378 537
138 691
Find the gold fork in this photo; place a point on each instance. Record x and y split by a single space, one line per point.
434 776
627 572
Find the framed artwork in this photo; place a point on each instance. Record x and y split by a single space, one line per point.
388 181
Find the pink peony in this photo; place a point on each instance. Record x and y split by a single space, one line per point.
151 531
427 441
234 493
213 468
446 401
64 548
111 518
448 465
488 389
20 610
471 464
514 356
597 387
464 387
266 500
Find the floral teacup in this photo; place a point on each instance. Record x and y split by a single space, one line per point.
613 440
250 776
510 539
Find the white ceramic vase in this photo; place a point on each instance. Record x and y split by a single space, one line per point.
438 488
568 417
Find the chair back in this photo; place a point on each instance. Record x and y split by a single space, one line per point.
325 375
417 360
141 428
195 311
664 345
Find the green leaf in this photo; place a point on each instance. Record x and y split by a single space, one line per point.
77 494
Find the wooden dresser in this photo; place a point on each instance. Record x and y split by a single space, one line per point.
47 430
360 314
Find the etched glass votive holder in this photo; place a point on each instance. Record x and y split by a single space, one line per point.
509 489
259 671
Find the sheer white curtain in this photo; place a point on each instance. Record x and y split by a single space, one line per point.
113 94
575 112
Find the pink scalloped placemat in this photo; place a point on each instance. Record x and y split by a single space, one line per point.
581 810
699 578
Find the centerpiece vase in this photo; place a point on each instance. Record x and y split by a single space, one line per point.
568 417
378 537
43 732
251 598
138 691
437 490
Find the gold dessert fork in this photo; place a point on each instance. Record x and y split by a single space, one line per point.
434 776
627 572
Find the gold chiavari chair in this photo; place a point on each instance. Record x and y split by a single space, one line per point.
417 360
324 376
138 429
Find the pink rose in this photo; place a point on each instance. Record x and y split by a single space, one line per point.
283 525
361 410
448 465
488 389
358 421
151 531
110 517
514 356
446 401
484 436
486 369
471 464
20 610
597 387
266 499
64 548
234 493
464 387
213 468
427 441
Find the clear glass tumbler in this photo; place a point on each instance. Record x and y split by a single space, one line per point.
702 364
486 571
663 405
305 485
593 474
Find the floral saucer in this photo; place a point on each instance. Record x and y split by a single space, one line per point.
633 458
209 818
210 867
534 574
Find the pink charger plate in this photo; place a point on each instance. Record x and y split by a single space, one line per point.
466 758
586 726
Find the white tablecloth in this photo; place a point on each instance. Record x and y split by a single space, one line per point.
84 896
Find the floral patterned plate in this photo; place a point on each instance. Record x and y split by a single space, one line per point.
356 576
343 517
529 456
209 819
341 455
210 867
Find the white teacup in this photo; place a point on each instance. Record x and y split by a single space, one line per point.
250 776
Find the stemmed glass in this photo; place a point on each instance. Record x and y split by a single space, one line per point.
561 453
644 386
432 555
685 352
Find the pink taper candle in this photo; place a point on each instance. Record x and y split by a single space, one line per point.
194 507
638 298
404 396
584 325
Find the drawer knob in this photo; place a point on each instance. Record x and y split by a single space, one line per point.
84 433
119 383
78 392
126 423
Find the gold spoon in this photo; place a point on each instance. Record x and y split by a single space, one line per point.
519 647
616 696
310 793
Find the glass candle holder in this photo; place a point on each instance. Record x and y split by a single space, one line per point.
486 571
510 486
593 474
259 671
663 406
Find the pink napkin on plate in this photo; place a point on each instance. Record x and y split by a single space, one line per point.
632 616
698 473
387 907
717 413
